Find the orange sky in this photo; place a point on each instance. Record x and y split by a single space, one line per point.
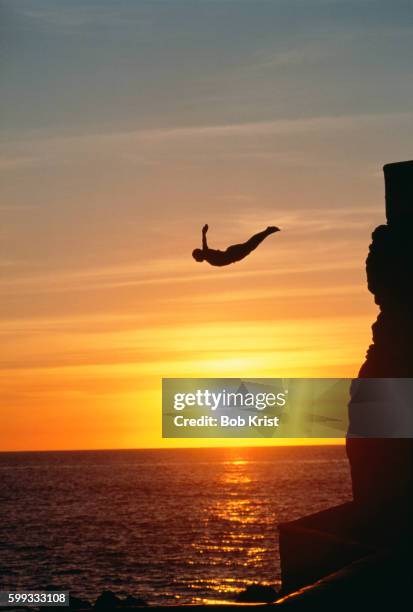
120 145
86 361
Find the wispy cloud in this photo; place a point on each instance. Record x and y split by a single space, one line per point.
297 231
137 145
279 126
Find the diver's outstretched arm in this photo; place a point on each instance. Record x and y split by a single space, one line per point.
204 239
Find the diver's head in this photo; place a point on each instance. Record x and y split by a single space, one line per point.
198 255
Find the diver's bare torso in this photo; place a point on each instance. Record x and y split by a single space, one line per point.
222 258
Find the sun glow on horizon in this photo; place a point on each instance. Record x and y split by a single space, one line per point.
91 378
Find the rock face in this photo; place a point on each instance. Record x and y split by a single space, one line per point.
258 593
109 602
382 468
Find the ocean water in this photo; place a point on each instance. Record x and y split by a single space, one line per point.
171 526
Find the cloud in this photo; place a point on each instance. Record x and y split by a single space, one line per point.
298 230
138 145
17 161
279 126
80 14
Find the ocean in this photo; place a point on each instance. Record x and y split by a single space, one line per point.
170 526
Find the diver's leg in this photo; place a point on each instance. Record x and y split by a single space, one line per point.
256 240
236 252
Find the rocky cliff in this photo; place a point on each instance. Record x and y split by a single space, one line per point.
382 468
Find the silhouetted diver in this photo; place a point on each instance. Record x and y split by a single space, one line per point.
233 253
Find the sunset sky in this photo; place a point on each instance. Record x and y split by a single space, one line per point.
126 126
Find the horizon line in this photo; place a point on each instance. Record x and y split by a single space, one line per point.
339 442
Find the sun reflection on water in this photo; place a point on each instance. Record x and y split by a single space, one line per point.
233 533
